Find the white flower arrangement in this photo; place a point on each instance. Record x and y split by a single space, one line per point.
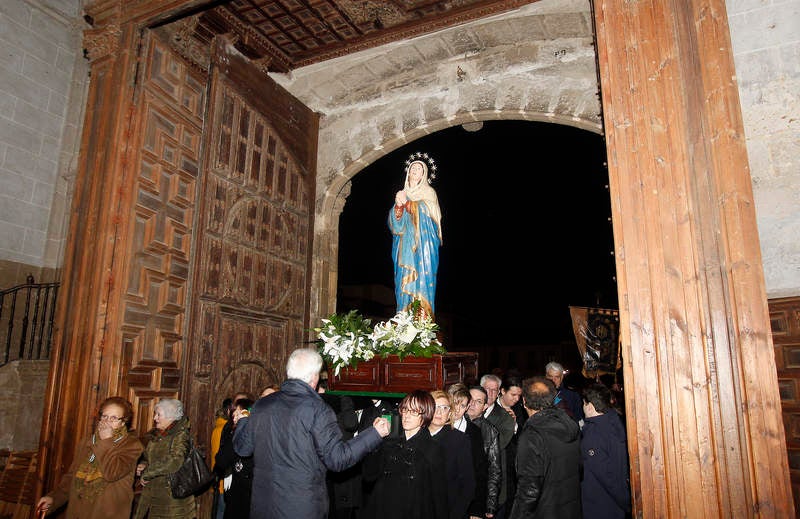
346 339
407 333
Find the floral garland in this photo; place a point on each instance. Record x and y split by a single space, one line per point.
347 339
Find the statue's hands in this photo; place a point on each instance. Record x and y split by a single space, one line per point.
400 198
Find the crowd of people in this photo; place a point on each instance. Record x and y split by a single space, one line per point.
498 447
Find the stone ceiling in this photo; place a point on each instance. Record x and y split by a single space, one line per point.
282 35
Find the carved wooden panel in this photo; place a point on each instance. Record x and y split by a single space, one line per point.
251 266
167 167
784 316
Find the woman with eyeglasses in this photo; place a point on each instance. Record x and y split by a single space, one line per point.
99 484
169 443
457 456
408 472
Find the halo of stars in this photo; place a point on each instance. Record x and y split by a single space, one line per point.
426 158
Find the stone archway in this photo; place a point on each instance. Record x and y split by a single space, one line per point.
331 202
704 409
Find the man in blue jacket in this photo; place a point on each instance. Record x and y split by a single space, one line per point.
604 491
294 439
569 399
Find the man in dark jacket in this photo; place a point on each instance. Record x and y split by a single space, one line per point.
491 445
294 439
344 488
548 458
505 425
460 395
566 398
604 491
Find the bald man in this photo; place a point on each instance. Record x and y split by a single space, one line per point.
548 457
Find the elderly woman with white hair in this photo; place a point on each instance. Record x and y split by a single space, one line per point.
166 449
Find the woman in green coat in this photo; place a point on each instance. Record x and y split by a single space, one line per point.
168 446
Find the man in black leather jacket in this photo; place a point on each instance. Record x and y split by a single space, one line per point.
548 458
491 444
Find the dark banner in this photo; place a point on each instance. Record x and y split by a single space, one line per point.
597 334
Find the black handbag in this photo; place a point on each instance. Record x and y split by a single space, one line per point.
193 477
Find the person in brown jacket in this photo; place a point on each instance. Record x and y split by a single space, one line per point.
99 484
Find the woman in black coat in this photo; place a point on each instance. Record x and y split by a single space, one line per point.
457 451
408 472
460 398
240 468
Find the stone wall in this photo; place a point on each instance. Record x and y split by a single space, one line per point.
534 63
537 62
766 44
22 389
41 106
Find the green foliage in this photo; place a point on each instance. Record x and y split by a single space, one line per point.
346 339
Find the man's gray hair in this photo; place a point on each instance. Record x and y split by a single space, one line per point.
553 366
304 364
492 377
172 408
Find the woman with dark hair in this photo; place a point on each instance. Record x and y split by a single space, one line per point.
169 444
99 483
409 471
239 482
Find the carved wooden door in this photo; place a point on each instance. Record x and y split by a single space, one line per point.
251 266
189 266
784 315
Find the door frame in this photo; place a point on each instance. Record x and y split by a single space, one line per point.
704 422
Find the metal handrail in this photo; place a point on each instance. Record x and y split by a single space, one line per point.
27 335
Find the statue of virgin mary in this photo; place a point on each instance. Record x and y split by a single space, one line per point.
415 222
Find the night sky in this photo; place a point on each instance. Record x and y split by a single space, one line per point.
525 223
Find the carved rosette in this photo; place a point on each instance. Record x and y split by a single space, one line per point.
102 42
183 42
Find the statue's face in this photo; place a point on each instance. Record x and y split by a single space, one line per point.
415 173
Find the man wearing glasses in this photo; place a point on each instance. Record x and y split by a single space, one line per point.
505 426
491 445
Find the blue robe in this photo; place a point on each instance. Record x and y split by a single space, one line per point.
416 259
